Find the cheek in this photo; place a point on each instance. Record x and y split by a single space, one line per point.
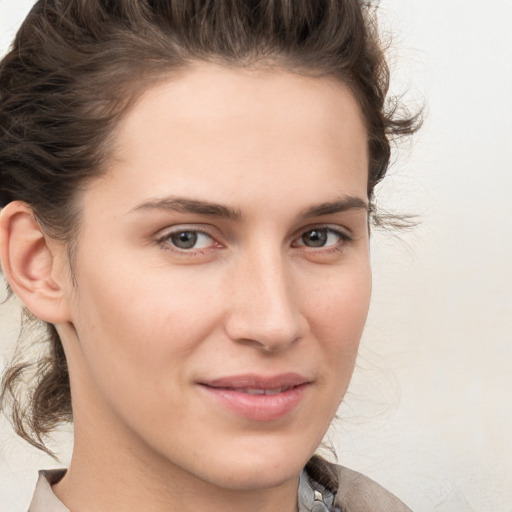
340 301
135 329
153 299
337 314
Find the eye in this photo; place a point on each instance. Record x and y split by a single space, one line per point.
188 239
321 237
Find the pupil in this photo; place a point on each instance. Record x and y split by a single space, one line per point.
315 238
184 240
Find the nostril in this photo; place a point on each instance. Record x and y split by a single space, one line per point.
265 337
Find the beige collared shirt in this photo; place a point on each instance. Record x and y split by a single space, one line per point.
44 499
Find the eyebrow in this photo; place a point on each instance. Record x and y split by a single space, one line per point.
336 206
185 205
199 207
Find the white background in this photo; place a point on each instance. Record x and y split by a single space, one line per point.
429 412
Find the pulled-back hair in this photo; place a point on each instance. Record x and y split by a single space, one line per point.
76 66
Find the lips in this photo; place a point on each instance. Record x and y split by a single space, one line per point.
259 391
256 397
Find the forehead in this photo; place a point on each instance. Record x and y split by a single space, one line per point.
215 130
206 92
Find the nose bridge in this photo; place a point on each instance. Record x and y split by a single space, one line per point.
263 308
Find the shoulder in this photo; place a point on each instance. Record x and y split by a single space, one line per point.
358 493
354 492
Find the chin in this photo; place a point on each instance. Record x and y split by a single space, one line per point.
256 478
260 469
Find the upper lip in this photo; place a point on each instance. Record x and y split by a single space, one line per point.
254 381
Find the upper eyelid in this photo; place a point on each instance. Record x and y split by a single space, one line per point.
181 228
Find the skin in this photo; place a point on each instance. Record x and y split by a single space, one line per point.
144 320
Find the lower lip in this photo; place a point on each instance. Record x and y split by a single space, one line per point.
258 407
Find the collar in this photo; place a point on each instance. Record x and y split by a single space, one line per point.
44 500
312 497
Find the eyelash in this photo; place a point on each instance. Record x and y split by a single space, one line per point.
164 241
344 239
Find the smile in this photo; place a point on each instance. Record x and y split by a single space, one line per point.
257 398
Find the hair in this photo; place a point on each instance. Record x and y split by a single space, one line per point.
75 68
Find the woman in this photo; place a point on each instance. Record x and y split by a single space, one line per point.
186 190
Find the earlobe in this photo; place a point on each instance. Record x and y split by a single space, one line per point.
30 263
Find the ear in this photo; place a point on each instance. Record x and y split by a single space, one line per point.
33 263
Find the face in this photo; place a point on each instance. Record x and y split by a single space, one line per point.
221 277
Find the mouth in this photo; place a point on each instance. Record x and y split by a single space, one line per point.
255 397
257 382
259 391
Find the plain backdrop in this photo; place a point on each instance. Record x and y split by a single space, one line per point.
429 411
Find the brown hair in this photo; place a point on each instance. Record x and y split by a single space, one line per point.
76 66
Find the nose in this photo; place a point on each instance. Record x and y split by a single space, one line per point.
263 310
